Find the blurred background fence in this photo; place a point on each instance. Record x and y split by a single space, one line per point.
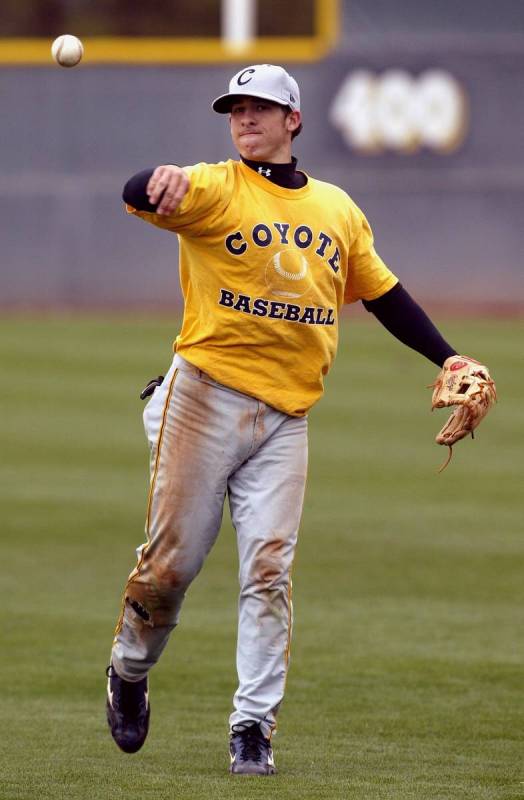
448 218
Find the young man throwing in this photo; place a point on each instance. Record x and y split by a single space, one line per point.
268 256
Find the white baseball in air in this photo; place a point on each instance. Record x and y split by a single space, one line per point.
67 50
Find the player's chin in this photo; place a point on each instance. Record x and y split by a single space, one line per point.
253 150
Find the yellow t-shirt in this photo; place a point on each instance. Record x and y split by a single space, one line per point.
264 271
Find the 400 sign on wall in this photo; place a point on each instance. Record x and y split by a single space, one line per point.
399 112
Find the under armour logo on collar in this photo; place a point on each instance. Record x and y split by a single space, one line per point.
265 172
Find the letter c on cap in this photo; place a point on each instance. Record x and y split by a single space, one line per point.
246 72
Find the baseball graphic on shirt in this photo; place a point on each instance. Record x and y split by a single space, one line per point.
288 274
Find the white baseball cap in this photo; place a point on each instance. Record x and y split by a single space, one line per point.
260 80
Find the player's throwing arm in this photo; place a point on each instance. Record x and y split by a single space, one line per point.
167 186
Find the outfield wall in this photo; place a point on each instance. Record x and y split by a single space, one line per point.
449 225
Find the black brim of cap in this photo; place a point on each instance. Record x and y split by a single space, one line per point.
222 104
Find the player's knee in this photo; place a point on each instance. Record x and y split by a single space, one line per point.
156 602
268 595
269 569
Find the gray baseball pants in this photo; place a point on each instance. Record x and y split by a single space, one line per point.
206 441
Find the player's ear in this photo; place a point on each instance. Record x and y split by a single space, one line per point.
293 121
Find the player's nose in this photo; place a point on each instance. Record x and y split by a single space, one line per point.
249 114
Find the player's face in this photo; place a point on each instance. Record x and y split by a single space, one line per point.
261 130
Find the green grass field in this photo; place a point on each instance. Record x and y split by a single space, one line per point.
406 675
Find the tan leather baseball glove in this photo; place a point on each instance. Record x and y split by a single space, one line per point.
466 384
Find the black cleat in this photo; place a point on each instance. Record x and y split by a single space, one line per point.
250 752
127 711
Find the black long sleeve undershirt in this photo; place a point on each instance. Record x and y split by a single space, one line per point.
134 193
408 322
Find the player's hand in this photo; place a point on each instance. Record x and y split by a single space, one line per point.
167 186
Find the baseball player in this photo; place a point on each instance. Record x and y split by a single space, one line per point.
268 256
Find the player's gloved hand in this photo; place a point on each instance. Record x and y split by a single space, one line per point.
148 390
466 384
167 186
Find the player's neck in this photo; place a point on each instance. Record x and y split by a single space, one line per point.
285 175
